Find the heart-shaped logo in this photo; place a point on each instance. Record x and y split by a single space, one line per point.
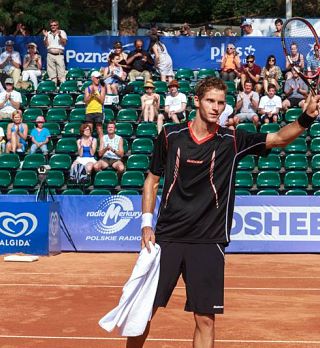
15 226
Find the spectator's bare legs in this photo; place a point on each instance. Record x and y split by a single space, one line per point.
258 88
265 85
118 166
255 120
114 88
89 168
286 105
99 130
14 143
204 331
148 113
100 165
108 88
174 118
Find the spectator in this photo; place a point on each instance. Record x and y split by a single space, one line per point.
94 96
10 62
140 62
247 29
21 30
313 60
186 30
296 91
150 103
270 106
247 105
10 100
278 24
17 133
297 59
87 146
118 49
110 151
40 137
271 73
32 65
251 72
162 59
228 32
2 141
113 74
226 117
230 64
205 31
55 40
175 105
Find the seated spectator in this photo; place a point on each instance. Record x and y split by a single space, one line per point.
270 106
17 133
150 103
251 72
113 74
247 29
140 62
247 105
10 62
32 65
117 49
2 141
87 146
162 59
230 64
313 60
271 73
110 151
278 23
175 106
40 137
10 100
296 91
297 60
226 118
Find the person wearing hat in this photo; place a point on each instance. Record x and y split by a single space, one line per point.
247 29
32 65
94 96
230 64
10 62
10 100
17 133
150 102
40 137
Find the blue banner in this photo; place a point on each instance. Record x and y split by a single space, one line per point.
187 52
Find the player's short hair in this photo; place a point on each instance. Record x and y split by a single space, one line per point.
208 83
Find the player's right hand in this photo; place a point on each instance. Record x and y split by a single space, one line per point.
147 235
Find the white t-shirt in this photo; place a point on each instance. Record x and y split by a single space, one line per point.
9 66
255 32
228 111
53 40
270 104
246 105
15 96
114 143
1 132
175 103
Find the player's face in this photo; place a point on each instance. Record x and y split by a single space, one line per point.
211 105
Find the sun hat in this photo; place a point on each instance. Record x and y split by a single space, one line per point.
149 84
40 119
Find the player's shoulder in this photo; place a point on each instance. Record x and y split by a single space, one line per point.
175 128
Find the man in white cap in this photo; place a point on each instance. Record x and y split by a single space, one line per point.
94 96
246 26
10 62
10 100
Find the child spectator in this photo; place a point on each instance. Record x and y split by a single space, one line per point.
40 137
269 106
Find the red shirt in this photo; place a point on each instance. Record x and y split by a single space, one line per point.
255 70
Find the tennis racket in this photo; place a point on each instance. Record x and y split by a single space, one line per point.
299 31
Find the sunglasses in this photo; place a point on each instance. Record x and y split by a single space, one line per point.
272 60
250 61
53 25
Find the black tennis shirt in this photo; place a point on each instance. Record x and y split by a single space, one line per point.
198 194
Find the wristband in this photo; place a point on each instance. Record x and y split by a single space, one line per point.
146 220
305 120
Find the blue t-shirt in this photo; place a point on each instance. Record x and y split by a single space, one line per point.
41 136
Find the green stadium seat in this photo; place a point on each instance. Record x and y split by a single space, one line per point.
5 178
100 192
50 146
243 180
70 86
142 145
108 115
18 191
268 192
192 115
270 162
25 179
79 103
137 86
295 179
56 115
63 100
268 179
299 145
247 163
128 193
30 125
296 162
67 145
24 103
315 180
124 129
46 86
131 101
162 101
147 130
242 192
53 127
184 74
231 100
106 179
316 193
292 114
138 162
160 87
203 73
40 101
132 179
9 161
184 87
30 115
296 192
77 115
315 130
85 85
71 129
60 162
269 128
127 115
75 74
33 161
315 145
72 192
231 87
55 179
315 162
249 127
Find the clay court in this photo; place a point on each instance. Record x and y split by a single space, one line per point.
270 301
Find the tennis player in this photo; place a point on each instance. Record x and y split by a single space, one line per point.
198 160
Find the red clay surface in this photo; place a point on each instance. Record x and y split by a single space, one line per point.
271 301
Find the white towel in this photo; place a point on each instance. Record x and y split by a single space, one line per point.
134 310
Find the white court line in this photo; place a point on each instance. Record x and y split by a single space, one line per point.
76 338
177 287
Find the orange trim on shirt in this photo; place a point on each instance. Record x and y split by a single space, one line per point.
199 142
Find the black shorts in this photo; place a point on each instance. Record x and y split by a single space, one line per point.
180 115
202 269
96 117
294 102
